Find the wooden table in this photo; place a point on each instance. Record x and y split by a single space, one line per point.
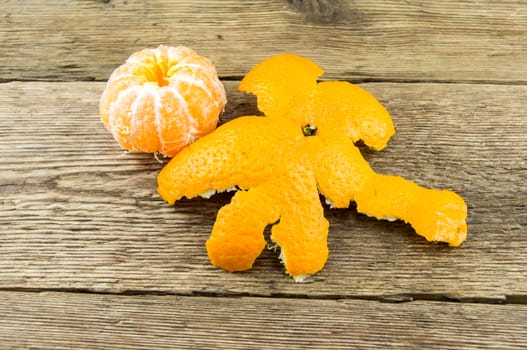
91 257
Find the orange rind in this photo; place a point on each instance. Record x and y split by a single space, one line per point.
162 99
281 162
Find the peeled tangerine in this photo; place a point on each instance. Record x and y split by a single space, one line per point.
162 99
280 163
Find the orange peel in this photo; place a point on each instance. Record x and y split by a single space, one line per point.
281 162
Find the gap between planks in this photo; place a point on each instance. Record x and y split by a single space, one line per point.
393 298
237 79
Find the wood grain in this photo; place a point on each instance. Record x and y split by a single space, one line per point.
81 321
92 258
462 41
78 213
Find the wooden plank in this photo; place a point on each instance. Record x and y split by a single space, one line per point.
77 212
79 321
450 40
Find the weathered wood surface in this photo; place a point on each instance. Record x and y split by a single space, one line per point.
79 321
91 257
80 213
450 40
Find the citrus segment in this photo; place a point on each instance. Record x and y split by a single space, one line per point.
174 88
119 117
143 121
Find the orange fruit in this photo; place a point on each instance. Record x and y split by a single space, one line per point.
281 162
162 99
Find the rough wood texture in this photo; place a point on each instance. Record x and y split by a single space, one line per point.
77 212
450 40
79 321
91 257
